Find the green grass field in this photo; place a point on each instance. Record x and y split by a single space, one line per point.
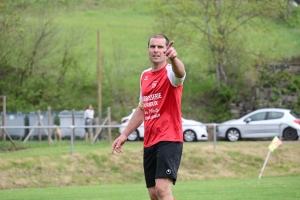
281 188
227 171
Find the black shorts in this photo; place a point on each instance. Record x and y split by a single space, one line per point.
162 160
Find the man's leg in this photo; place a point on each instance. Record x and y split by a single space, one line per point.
162 190
86 136
161 164
152 193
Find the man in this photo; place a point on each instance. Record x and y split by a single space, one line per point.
88 120
159 108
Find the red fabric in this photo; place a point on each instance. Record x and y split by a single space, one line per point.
162 112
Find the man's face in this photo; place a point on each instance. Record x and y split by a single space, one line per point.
156 49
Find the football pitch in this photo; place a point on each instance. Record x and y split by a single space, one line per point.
273 188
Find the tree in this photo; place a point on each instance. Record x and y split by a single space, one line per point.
10 20
38 64
219 27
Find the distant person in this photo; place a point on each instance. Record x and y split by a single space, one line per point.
160 109
57 133
88 119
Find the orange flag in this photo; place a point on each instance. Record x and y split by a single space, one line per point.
276 142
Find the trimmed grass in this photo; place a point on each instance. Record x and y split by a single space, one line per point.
37 165
281 188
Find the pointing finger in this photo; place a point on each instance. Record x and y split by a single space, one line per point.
170 44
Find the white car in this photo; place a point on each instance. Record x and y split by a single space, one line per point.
262 123
192 130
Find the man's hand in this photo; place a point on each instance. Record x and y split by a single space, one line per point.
118 143
170 51
177 65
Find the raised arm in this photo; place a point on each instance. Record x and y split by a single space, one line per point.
177 65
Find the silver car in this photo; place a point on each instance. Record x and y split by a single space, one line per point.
262 123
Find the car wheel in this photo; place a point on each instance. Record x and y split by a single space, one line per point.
133 136
189 136
290 134
233 135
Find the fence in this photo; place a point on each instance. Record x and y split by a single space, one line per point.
72 129
13 125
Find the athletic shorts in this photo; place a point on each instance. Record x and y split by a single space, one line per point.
162 160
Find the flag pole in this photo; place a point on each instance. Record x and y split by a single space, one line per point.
276 142
267 158
99 82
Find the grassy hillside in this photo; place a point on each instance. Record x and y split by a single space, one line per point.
39 165
125 26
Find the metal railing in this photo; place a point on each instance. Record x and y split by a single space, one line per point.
101 127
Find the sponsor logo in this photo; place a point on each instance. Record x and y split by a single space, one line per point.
146 78
152 97
168 171
154 83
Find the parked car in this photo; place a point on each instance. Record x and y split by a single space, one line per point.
262 123
192 130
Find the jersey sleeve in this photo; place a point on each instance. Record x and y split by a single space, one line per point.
173 79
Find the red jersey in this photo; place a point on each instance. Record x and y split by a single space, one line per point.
160 94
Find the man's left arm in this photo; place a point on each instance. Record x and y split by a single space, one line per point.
177 65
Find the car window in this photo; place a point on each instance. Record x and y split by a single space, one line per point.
258 116
275 115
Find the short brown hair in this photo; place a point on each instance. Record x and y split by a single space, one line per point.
159 36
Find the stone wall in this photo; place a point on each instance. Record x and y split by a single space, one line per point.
262 99
268 97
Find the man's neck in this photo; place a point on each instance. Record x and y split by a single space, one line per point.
158 66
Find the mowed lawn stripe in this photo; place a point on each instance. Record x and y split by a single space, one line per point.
278 188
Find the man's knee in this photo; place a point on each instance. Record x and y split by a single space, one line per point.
152 193
163 187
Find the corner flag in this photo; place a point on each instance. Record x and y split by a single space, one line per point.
276 142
